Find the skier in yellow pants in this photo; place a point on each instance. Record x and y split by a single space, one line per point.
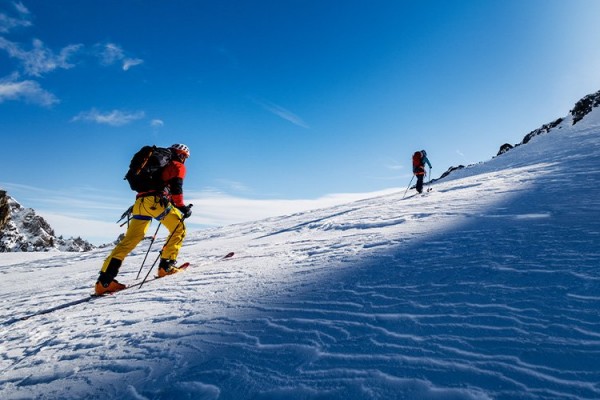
166 207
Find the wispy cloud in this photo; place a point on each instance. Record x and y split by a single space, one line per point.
8 23
112 118
20 7
234 186
25 90
131 62
281 112
395 166
157 123
40 59
111 53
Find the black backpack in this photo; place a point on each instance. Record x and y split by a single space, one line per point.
146 167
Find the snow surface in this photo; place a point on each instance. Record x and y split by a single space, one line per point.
486 288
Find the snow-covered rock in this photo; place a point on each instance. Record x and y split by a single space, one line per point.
21 229
580 110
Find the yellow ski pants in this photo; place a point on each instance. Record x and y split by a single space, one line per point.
144 210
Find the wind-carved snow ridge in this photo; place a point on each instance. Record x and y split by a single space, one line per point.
488 287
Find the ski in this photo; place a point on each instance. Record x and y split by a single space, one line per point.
94 296
181 267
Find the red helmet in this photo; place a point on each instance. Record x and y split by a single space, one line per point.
181 149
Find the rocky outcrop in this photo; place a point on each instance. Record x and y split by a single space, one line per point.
22 230
4 209
504 148
584 106
448 172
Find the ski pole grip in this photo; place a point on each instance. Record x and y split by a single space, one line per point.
189 206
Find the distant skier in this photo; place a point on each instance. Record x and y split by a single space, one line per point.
419 161
164 204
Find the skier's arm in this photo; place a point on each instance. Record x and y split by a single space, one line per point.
173 176
427 161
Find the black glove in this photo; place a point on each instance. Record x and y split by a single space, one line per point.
186 211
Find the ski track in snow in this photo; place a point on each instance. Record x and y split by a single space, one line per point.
488 287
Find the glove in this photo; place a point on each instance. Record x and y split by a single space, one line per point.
186 211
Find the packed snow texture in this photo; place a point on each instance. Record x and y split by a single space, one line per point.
488 287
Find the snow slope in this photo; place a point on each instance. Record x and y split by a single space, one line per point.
486 288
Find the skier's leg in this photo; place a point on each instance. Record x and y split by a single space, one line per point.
176 226
419 186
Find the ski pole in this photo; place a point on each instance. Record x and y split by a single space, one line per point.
429 183
409 183
160 253
148 251
161 250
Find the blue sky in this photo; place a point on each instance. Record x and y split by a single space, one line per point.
285 105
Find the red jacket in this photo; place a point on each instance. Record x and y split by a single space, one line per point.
173 176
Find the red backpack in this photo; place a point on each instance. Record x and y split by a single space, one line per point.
417 160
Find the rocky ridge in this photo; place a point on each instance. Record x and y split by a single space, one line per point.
22 230
582 108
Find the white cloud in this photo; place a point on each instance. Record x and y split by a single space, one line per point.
21 8
233 186
8 23
131 62
111 53
27 90
40 59
157 123
394 166
112 118
94 231
282 113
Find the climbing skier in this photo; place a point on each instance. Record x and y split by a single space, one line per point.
164 204
419 161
